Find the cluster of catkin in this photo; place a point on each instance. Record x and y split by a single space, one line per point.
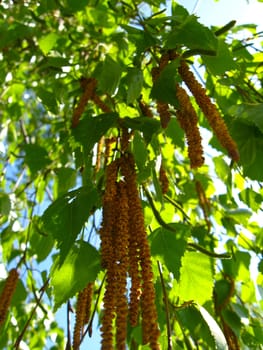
210 111
187 116
126 254
7 293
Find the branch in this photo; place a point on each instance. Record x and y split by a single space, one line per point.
166 306
156 213
207 252
21 335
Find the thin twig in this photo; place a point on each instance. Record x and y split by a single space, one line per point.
166 306
21 335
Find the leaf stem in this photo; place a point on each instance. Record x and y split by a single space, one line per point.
166 306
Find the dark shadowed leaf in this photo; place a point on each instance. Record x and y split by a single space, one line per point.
91 129
64 218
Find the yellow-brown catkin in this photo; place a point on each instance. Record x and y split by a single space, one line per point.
98 101
145 109
165 115
163 179
125 139
109 214
134 259
89 87
143 258
210 111
110 217
89 295
121 242
80 318
109 300
188 121
7 293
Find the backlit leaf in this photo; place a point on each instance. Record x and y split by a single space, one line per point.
196 278
170 246
47 42
81 266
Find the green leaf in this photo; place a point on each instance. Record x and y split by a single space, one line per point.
239 215
5 204
221 168
196 278
80 266
135 83
164 89
66 179
192 34
139 150
48 99
191 319
218 335
47 42
251 198
75 6
64 218
170 246
91 129
36 157
250 113
222 62
109 76
250 145
41 243
147 125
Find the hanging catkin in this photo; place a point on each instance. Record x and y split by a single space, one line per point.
79 319
121 242
145 109
210 111
163 179
7 293
143 258
188 121
134 238
108 254
88 86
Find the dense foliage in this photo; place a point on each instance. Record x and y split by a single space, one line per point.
85 84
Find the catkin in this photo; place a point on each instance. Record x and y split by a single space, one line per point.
108 254
98 101
145 109
89 86
121 243
7 293
210 111
109 215
79 318
143 258
163 179
134 238
188 121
